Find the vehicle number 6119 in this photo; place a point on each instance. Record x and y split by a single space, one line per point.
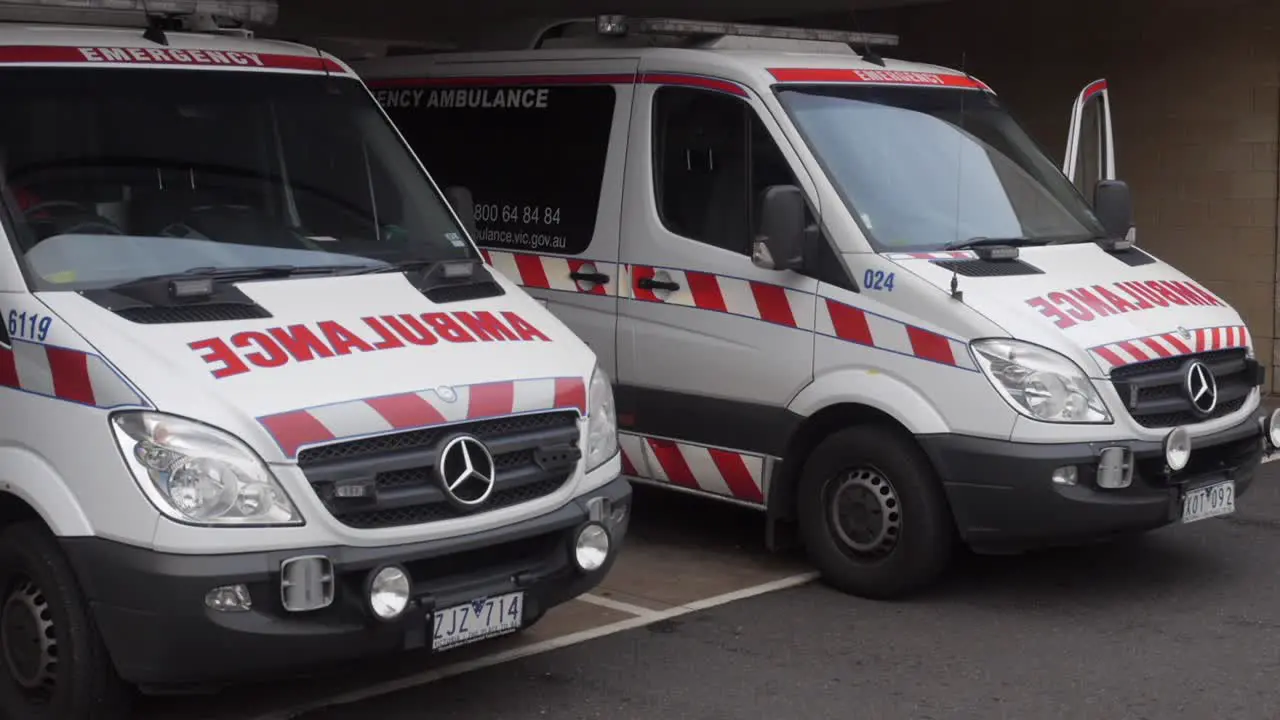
29 326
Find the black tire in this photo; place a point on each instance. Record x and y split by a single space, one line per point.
898 535
38 591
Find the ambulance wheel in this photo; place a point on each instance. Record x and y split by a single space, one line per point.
873 515
53 665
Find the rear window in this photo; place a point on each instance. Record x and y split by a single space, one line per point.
532 157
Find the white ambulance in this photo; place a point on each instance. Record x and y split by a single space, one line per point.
849 291
265 406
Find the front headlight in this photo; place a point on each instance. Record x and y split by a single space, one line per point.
198 474
1040 383
602 421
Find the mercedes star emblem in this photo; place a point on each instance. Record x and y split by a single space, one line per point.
466 471
1201 387
446 393
1185 333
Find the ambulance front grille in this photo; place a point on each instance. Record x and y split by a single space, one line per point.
1153 391
390 481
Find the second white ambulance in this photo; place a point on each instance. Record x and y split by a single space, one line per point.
847 290
264 405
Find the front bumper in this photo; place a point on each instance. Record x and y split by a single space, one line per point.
1003 498
150 607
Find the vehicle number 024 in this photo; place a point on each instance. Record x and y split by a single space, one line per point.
878 280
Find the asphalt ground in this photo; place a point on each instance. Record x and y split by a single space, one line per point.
705 625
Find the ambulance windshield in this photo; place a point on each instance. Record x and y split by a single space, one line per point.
112 175
922 168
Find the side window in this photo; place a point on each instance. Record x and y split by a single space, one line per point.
532 157
713 159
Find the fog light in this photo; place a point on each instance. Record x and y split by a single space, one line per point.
1115 468
591 548
1273 429
389 592
1177 449
1066 475
229 598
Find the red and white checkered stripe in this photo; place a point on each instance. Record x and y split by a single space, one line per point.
547 272
297 429
746 298
1171 344
718 293
727 473
65 374
851 324
946 255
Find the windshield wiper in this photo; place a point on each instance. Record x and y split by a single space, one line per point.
248 272
401 266
987 241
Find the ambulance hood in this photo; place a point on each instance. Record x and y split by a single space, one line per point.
331 340
1100 309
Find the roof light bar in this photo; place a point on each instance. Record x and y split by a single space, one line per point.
618 25
134 13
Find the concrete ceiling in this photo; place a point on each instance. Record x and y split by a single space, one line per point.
424 20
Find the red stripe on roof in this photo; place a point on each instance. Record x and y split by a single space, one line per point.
878 77
697 81
165 56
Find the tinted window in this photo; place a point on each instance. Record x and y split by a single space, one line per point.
110 175
713 160
532 157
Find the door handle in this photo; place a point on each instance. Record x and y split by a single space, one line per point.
651 284
591 277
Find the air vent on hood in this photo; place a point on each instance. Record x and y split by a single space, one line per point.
459 293
218 312
1133 257
988 268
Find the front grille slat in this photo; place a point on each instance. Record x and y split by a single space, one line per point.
534 455
1153 394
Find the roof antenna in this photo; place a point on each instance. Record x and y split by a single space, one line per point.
154 32
868 55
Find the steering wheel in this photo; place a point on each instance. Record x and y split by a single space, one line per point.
64 204
88 220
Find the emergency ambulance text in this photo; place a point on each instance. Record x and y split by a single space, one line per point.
1066 308
535 98
278 346
171 56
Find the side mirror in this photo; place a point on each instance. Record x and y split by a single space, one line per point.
780 244
465 206
1113 206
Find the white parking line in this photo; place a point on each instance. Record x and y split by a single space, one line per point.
1269 458
618 605
537 648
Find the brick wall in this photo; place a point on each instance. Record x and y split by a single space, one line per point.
1195 89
